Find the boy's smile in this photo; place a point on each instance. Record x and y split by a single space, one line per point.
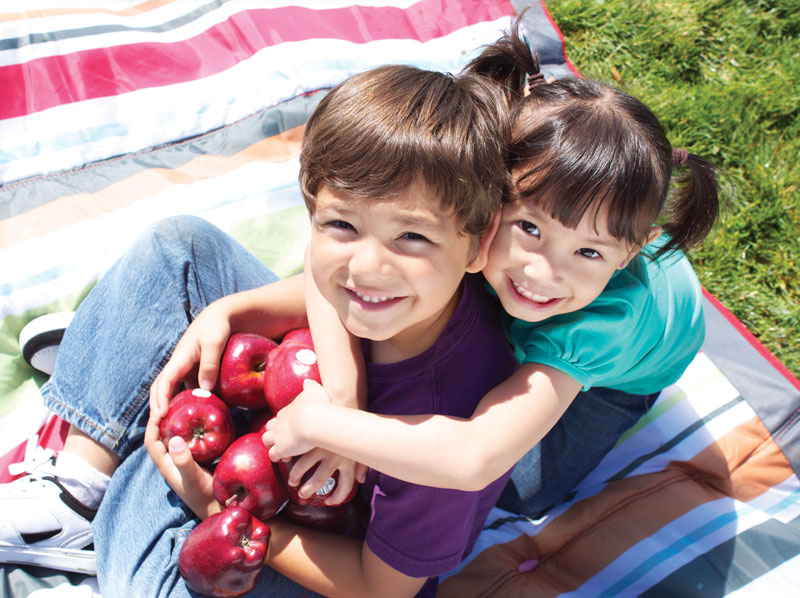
540 268
390 267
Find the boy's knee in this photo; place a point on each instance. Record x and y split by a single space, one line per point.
180 233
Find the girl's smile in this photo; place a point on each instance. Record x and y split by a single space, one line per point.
540 268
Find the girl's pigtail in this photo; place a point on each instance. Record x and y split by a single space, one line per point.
507 62
693 203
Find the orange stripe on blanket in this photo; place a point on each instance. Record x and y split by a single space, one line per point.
60 12
581 542
73 208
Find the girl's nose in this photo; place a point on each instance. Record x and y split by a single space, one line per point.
540 266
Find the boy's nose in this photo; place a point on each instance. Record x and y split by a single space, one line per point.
369 260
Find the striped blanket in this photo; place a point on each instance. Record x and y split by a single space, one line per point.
117 113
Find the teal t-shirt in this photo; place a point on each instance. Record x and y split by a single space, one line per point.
638 336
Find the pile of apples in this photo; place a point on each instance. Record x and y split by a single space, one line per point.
225 553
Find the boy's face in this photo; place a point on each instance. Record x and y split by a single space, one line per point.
540 268
390 267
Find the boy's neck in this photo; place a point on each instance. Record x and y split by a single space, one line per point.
411 342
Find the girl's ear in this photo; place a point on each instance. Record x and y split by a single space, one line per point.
479 263
655 232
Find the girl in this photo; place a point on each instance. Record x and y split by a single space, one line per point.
602 307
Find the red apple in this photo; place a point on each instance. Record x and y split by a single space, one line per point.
289 365
300 335
202 420
318 498
348 519
224 554
241 370
246 477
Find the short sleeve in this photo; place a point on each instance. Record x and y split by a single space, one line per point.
599 344
418 530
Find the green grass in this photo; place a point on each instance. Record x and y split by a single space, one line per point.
724 79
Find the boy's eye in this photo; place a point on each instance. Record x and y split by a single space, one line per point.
589 253
528 227
342 224
413 237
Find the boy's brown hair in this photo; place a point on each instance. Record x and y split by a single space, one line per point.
381 130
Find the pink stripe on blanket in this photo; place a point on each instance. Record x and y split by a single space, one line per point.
125 68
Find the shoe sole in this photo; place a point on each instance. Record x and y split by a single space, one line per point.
63 559
39 339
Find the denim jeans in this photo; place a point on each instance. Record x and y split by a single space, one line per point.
119 340
590 427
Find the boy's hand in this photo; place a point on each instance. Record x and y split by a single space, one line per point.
199 350
190 481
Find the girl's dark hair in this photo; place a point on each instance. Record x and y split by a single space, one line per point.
579 146
383 129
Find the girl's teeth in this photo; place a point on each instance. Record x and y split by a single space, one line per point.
372 299
528 295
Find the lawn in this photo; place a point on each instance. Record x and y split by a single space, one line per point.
724 78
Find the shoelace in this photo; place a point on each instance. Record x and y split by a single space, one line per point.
38 460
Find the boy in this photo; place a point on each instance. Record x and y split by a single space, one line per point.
403 172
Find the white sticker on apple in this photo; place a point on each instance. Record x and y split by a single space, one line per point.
306 357
327 487
199 392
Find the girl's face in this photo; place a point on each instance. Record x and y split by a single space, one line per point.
540 268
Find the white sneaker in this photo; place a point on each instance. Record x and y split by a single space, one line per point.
40 338
41 523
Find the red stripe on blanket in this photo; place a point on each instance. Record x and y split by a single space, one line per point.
51 434
120 69
750 338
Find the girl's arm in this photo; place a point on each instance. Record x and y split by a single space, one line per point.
434 450
340 359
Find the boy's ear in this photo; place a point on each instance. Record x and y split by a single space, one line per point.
479 263
655 232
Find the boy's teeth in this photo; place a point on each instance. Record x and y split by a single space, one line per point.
528 295
372 299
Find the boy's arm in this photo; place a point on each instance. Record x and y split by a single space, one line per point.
270 310
333 565
329 564
469 453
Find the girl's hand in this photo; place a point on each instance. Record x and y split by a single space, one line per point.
327 463
285 438
192 483
195 360
284 433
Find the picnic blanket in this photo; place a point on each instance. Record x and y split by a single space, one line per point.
118 113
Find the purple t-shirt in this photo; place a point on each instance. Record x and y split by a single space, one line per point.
418 530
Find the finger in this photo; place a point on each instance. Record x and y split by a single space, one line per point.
361 473
210 354
303 464
343 486
318 479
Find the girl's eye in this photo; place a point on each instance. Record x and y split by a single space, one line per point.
528 227
589 253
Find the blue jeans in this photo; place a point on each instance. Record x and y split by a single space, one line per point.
590 427
119 340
